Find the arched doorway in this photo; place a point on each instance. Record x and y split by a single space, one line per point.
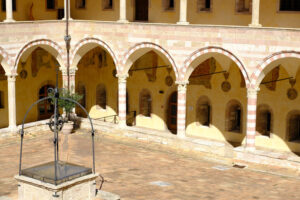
172 113
45 108
141 10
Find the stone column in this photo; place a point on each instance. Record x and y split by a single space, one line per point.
122 99
181 109
255 14
251 118
9 11
123 12
183 13
72 73
12 111
65 9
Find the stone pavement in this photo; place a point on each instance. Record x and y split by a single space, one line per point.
145 171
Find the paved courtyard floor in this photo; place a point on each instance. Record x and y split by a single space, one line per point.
145 171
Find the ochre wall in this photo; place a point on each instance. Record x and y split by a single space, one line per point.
280 106
27 90
4 111
218 100
139 81
91 75
269 15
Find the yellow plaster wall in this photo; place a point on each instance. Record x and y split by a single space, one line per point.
94 11
221 13
91 76
4 111
139 81
278 138
218 100
27 90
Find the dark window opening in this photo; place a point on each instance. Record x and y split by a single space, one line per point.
294 128
80 4
289 5
107 4
243 5
14 4
1 99
101 96
234 118
145 103
264 121
51 4
204 5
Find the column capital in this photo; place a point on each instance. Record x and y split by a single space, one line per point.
122 78
11 77
182 85
72 71
252 92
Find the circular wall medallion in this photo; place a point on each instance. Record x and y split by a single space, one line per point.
226 86
292 93
169 81
23 74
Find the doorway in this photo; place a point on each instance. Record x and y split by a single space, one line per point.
45 108
141 10
172 113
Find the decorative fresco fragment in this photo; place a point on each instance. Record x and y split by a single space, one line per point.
95 57
271 77
40 58
147 63
202 74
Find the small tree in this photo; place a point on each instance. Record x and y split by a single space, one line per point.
66 105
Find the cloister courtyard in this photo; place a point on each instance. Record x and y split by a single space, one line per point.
137 169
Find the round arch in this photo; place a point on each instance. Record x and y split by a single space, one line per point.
190 64
52 47
87 44
5 61
261 70
139 50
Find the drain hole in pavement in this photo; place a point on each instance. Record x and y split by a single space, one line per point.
239 166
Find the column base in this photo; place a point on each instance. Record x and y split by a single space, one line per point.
181 134
122 124
250 148
255 25
66 19
13 129
123 21
9 20
183 23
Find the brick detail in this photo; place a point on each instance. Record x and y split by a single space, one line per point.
122 100
40 42
152 46
90 40
251 118
256 76
212 49
181 110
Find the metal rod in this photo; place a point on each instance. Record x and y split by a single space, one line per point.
277 80
162 66
55 134
93 148
68 43
21 148
208 74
